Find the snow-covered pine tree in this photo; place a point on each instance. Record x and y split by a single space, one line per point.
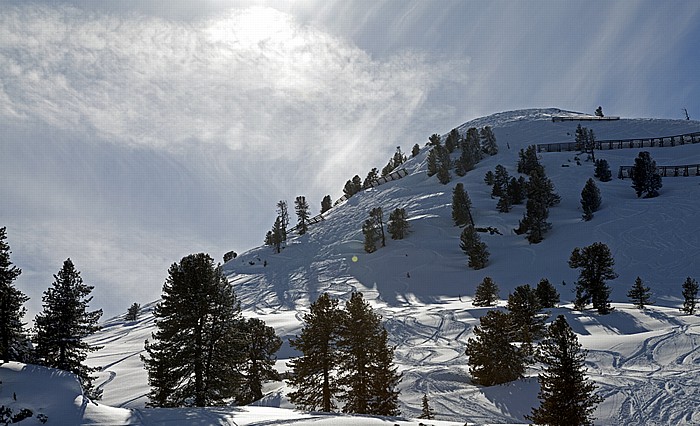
261 343
427 411
461 206
566 396
524 310
590 199
314 372
398 224
486 293
493 359
645 178
372 177
367 372
326 204
14 343
474 248
595 263
488 141
64 323
690 295
639 294
132 314
602 170
302 209
197 353
547 294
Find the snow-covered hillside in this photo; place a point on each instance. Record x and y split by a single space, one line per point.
644 362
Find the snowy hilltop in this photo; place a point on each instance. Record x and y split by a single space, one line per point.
642 361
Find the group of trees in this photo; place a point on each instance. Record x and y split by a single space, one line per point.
373 227
346 357
278 234
203 351
59 329
473 146
356 184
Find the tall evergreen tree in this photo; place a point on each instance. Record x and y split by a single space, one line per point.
368 374
541 188
500 181
353 186
602 170
490 178
376 215
132 314
326 204
444 165
472 246
415 151
427 411
302 209
261 343
690 295
567 397
486 293
470 150
493 359
516 190
433 162
369 231
547 294
314 373
639 294
277 235
590 199
599 111
488 141
64 323
534 222
528 325
645 178
434 140
283 214
452 140
198 353
14 344
528 161
372 177
461 206
398 224
595 264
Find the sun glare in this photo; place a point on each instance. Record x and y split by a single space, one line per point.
251 26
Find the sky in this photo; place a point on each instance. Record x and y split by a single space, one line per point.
135 133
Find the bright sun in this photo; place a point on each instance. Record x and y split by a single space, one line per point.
251 26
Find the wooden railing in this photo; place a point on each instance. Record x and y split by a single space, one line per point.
623 143
665 171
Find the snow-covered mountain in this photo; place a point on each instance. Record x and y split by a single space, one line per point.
644 362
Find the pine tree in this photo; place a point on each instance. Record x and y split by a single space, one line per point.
452 140
314 372
277 235
366 364
470 150
645 178
599 111
486 293
132 314
472 246
444 165
415 151
547 294
690 295
461 206
585 141
260 345
197 353
516 190
534 221
489 178
326 204
434 140
283 215
595 264
398 224
602 170
524 307
639 294
566 396
14 344
590 199
500 182
369 231
488 141
433 162
493 359
353 186
528 161
64 323
372 177
302 209
427 411
376 215
541 188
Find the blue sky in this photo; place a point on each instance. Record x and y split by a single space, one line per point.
135 133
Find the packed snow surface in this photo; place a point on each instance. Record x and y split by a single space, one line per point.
644 362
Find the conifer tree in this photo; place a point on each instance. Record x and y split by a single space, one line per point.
489 178
472 246
452 140
516 190
326 204
488 141
461 206
500 181
261 343
645 178
433 162
353 186
132 314
528 325
590 199
434 140
470 150
547 294
444 165
376 215
283 214
277 235
567 397
595 264
415 151
14 343
368 374
528 161
369 231
690 295
599 111
639 294
541 188
302 209
534 222
398 224
427 411
602 170
314 372
493 359
372 177
64 323
198 348
486 293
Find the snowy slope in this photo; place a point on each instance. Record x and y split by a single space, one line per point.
643 361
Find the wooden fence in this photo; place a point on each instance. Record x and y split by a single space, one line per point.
665 171
623 143
583 118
